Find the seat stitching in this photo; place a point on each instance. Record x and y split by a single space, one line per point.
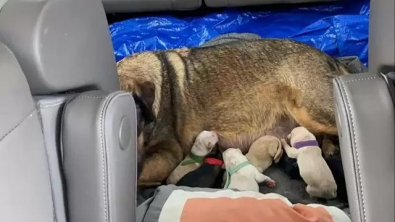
110 98
361 79
103 159
18 124
355 142
91 97
106 182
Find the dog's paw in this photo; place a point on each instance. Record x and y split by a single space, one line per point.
283 143
270 183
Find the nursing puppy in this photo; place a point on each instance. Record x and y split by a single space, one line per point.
312 166
204 144
264 151
246 177
208 175
255 87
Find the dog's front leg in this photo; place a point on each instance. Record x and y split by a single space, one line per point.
291 152
160 162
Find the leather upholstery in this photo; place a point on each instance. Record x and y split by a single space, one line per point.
365 119
99 156
61 45
25 187
50 109
152 5
381 35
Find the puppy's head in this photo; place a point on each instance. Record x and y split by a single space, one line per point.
299 134
232 157
204 143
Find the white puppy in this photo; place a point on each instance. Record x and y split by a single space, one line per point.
204 144
312 166
241 174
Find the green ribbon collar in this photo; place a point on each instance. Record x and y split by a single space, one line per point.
193 159
233 170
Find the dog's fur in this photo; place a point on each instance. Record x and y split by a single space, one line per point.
248 177
204 144
207 175
264 151
312 166
242 90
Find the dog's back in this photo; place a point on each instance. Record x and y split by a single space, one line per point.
251 86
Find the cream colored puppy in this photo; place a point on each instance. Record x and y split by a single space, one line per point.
204 144
264 151
241 175
312 166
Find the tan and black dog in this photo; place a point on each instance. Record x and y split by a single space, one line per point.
242 90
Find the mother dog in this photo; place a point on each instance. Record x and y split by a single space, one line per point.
241 90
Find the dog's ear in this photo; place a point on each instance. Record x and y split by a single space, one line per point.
278 154
289 136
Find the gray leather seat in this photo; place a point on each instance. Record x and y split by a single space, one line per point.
69 154
151 5
25 187
366 123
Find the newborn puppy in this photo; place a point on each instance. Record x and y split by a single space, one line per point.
312 166
241 175
263 151
209 174
204 144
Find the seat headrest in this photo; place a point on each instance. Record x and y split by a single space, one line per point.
61 45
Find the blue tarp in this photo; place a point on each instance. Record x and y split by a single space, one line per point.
339 29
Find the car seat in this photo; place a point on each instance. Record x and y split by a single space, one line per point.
365 120
67 135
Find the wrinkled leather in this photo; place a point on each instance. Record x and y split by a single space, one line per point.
51 109
365 118
25 187
100 175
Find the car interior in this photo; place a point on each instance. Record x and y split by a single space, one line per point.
68 134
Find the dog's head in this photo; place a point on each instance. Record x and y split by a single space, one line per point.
204 143
145 125
140 75
233 157
299 134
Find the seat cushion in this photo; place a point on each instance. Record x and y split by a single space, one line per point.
149 5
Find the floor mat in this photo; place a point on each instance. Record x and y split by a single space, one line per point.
340 28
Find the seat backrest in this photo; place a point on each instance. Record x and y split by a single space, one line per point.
25 188
65 46
366 123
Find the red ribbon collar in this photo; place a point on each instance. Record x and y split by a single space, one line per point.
214 161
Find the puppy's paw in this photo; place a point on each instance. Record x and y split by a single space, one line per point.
270 183
284 143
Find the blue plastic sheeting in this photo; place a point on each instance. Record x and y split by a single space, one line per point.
339 29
